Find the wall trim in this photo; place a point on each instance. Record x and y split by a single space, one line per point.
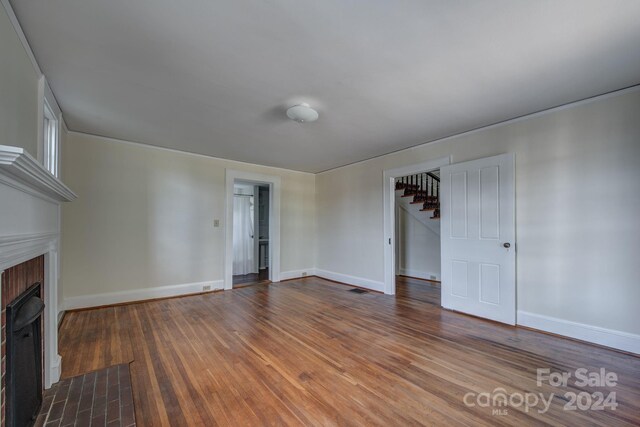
606 95
594 334
27 47
297 274
618 92
351 280
87 301
23 39
426 275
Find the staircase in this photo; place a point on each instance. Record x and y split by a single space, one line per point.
422 189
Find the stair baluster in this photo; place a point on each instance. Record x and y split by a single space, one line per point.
423 188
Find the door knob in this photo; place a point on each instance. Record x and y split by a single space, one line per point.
507 245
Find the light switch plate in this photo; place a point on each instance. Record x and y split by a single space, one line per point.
216 223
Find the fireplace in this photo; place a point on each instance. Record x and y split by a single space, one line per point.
24 357
22 315
30 205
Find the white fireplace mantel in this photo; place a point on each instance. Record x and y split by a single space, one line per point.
30 199
17 166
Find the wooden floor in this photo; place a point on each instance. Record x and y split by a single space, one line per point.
309 352
241 280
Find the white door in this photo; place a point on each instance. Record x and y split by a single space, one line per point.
477 204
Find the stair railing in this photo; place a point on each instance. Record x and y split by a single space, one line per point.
424 188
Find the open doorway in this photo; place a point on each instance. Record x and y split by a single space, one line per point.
391 193
250 234
417 231
477 238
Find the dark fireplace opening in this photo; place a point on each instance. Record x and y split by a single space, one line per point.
24 358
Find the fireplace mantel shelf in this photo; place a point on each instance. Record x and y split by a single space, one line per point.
18 165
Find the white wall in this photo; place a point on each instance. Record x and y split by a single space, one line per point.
418 247
18 91
144 219
577 201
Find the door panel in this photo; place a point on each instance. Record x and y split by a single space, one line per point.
489 205
478 218
490 283
458 193
459 278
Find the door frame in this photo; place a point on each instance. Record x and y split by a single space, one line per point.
389 202
275 184
256 227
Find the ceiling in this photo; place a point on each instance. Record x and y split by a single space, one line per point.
215 77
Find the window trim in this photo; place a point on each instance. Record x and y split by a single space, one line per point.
51 140
50 128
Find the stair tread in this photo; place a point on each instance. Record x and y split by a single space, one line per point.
432 198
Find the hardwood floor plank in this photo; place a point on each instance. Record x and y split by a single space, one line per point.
309 352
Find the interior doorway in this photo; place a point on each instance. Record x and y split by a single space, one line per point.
391 193
417 229
252 232
477 233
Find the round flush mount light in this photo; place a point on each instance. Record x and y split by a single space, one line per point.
302 113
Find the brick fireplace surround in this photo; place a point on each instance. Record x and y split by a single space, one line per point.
15 281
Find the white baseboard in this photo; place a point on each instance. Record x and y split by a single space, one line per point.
419 274
296 274
351 280
95 300
608 337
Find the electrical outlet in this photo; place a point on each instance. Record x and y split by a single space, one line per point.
304 274
216 223
206 288
432 277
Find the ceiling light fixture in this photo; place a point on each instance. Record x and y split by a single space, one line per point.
302 113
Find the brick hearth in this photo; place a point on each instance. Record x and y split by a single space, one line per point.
99 398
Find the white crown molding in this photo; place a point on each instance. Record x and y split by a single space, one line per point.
19 170
18 29
614 93
25 44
